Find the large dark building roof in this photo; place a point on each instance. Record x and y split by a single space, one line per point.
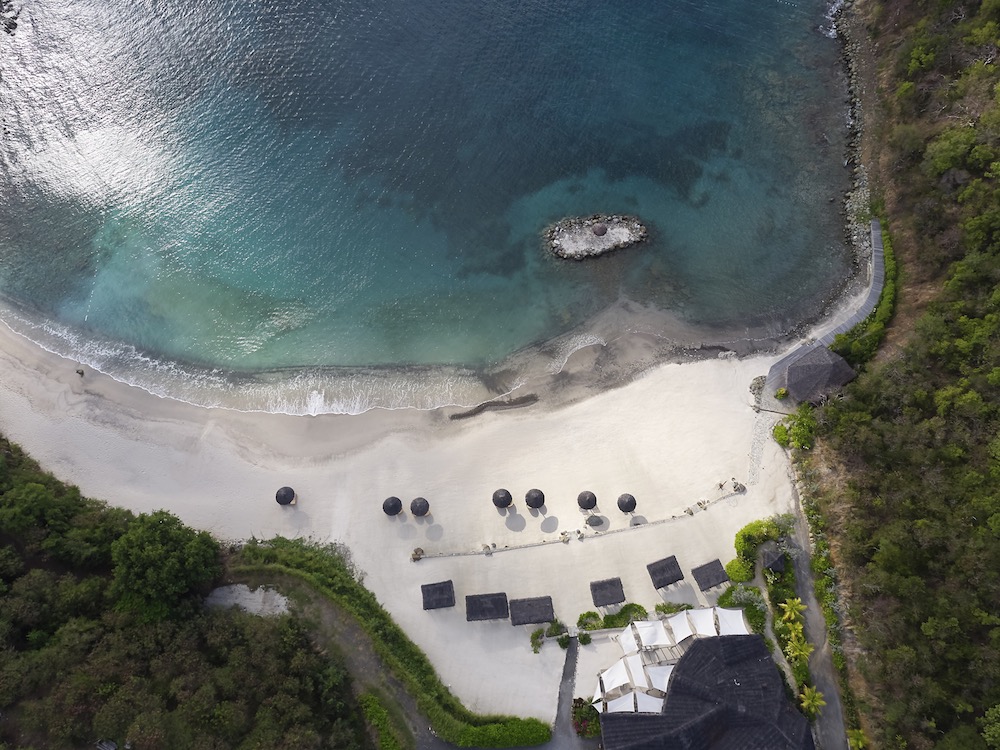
438 595
724 694
816 374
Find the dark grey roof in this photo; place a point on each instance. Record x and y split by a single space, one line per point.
502 498
531 611
710 575
818 373
771 557
665 572
486 607
724 694
626 503
607 592
438 595
534 498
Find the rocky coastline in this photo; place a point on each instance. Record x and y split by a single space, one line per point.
578 238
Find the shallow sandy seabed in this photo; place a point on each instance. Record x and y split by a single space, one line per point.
669 437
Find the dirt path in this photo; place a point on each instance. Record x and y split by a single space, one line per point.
338 632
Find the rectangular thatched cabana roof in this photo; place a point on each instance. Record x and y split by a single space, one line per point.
665 572
710 575
607 592
486 607
531 611
438 595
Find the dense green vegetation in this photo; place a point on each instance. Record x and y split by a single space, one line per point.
916 532
101 639
330 573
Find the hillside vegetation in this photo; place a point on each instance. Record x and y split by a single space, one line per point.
916 527
102 636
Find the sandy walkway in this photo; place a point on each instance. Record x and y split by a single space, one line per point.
668 438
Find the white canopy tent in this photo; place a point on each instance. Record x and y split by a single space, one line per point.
634 663
616 676
703 621
647 704
625 704
626 639
598 694
652 634
731 622
659 676
680 627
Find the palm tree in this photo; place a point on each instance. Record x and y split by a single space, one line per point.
798 649
811 701
856 739
792 609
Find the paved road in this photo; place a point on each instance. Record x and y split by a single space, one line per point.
829 729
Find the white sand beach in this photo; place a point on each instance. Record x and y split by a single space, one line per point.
669 438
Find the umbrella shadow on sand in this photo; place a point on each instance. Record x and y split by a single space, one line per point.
550 524
515 521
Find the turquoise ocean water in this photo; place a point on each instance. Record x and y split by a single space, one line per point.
330 205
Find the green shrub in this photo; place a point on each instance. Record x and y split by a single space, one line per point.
584 639
671 608
755 533
781 394
537 636
739 570
563 641
555 628
377 718
628 613
780 433
589 621
586 720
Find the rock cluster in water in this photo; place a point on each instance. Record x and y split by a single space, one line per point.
578 238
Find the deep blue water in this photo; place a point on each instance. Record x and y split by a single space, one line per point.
222 188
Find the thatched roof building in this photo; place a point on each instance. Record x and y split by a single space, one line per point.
438 595
817 374
531 611
607 592
665 572
710 575
486 607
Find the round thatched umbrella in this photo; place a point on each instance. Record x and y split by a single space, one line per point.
392 506
600 229
534 498
626 503
285 496
419 506
587 500
502 498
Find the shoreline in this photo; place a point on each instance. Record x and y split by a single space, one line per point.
621 413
